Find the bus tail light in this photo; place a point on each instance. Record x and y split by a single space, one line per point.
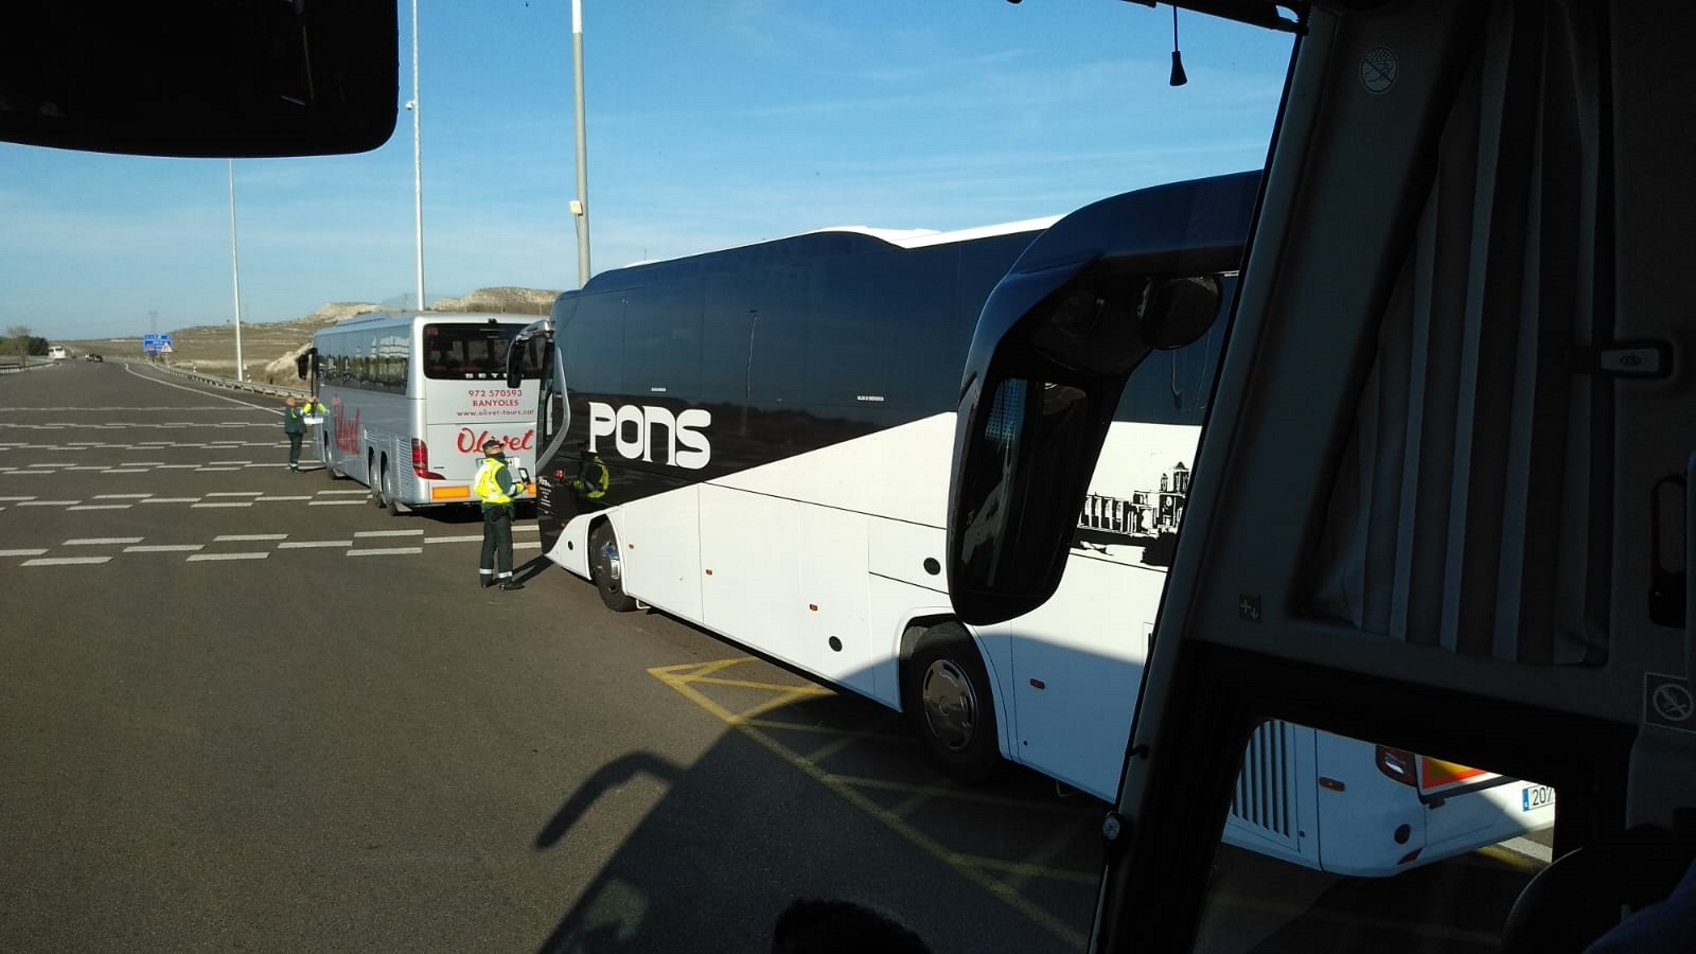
421 461
1397 765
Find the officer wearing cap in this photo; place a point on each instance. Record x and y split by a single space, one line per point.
495 487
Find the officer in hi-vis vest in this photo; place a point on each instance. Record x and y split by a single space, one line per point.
592 478
495 487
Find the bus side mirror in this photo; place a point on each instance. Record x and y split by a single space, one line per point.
1042 384
301 365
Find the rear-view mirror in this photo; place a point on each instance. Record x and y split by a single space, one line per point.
1086 303
214 78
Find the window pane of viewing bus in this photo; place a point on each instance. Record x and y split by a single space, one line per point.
1333 844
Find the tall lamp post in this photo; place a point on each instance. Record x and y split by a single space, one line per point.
235 272
580 205
417 161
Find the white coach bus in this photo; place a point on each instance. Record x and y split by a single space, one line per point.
411 398
758 441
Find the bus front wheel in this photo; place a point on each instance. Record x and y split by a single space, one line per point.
330 461
951 704
607 568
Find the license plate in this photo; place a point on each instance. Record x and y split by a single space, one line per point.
1536 796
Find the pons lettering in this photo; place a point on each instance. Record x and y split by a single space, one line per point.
633 429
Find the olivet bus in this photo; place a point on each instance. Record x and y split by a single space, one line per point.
411 398
758 441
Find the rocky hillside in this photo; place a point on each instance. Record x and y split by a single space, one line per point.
268 351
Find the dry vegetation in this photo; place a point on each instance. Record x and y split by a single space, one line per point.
268 350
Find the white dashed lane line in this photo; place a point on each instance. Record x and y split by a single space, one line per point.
38 555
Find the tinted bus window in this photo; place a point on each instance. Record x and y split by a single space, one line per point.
469 352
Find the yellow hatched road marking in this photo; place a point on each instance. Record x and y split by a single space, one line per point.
681 679
1025 870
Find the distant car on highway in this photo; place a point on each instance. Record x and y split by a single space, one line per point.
58 353
91 356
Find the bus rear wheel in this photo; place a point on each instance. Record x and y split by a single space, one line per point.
951 705
374 480
389 491
607 568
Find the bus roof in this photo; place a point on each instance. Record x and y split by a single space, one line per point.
839 240
408 317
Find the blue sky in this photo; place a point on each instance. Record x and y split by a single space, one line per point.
709 125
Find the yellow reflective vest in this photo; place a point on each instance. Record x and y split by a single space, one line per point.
493 484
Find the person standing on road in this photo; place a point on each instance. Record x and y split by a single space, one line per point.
294 425
495 487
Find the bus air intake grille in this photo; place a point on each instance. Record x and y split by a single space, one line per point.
1262 796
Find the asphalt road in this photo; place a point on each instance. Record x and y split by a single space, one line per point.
246 710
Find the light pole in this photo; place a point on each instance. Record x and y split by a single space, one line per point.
580 205
417 161
235 271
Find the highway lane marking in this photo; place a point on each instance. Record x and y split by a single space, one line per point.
386 551
121 496
473 538
388 533
327 493
235 493
313 544
167 548
101 541
211 557
15 499
159 500
301 497
122 506
48 503
66 561
24 552
242 503
248 537
335 503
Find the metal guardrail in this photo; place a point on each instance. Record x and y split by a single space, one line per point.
274 390
9 364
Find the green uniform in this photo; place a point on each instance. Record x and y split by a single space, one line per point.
495 487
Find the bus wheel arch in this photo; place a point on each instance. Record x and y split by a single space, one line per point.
606 567
949 699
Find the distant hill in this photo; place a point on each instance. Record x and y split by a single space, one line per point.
268 350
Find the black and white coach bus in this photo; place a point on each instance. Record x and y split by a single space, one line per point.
758 441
